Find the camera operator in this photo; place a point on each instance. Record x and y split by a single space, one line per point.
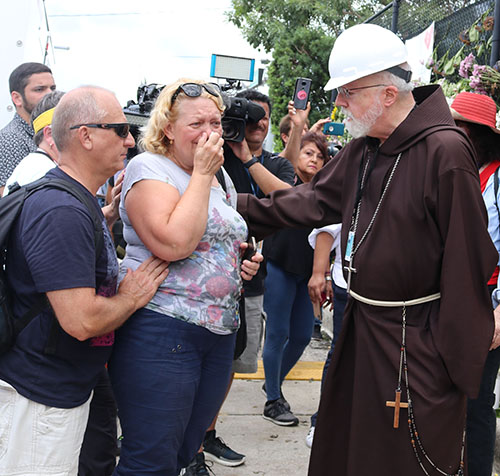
257 171
253 169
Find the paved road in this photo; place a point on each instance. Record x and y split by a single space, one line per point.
271 450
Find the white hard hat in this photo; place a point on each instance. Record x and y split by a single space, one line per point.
363 50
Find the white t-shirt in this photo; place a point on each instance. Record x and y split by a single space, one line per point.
34 166
334 230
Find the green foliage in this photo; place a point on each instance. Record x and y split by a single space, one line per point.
465 70
300 34
303 54
476 39
263 22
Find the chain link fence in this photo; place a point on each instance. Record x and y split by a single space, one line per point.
451 17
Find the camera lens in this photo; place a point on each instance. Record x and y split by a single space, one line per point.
332 150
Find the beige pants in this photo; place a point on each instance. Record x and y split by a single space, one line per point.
37 440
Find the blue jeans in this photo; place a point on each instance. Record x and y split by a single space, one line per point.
169 378
339 302
289 325
481 421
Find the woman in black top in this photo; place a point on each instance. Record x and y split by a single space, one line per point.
290 317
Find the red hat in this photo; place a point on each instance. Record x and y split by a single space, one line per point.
476 108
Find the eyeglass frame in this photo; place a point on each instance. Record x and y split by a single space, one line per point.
346 92
108 126
201 86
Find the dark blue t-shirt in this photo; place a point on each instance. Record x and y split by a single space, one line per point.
52 247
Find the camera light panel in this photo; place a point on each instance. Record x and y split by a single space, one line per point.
232 67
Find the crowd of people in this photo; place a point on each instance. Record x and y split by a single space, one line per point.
400 230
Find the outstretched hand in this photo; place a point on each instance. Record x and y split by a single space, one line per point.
141 285
317 127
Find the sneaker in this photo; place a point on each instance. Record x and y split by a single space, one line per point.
316 335
277 413
310 436
287 405
217 451
197 467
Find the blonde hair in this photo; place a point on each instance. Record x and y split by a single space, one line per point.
154 139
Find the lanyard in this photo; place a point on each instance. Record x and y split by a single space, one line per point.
363 176
350 248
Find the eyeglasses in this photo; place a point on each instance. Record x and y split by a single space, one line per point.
122 129
194 90
347 92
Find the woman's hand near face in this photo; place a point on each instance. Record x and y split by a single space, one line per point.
209 156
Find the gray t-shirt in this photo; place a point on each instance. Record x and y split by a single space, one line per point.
203 288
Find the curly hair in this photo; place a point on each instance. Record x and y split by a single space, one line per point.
154 139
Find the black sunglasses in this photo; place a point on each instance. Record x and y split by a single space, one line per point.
122 129
194 90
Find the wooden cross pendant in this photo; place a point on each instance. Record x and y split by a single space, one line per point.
397 404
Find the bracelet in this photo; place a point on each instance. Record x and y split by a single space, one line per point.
252 161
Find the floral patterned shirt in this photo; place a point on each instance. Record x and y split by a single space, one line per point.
16 142
203 288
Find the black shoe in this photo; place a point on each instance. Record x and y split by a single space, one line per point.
317 332
282 398
277 413
197 467
216 450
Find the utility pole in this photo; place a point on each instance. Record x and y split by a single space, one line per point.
395 15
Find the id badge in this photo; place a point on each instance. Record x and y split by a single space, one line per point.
348 248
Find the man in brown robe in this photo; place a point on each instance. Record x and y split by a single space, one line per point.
408 190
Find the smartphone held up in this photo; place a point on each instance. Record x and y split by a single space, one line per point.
301 94
333 129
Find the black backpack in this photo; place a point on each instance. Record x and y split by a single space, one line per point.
10 209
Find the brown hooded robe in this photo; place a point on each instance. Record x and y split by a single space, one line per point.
430 236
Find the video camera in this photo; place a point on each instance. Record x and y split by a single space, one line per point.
333 150
238 112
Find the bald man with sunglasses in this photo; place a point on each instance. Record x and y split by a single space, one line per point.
45 392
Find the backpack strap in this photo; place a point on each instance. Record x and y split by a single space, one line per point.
43 302
81 196
222 180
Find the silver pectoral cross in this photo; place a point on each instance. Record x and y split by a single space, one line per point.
349 270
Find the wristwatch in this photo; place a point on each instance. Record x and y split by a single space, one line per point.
252 161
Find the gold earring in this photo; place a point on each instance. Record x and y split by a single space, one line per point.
171 141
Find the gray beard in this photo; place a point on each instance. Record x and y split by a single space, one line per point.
361 127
